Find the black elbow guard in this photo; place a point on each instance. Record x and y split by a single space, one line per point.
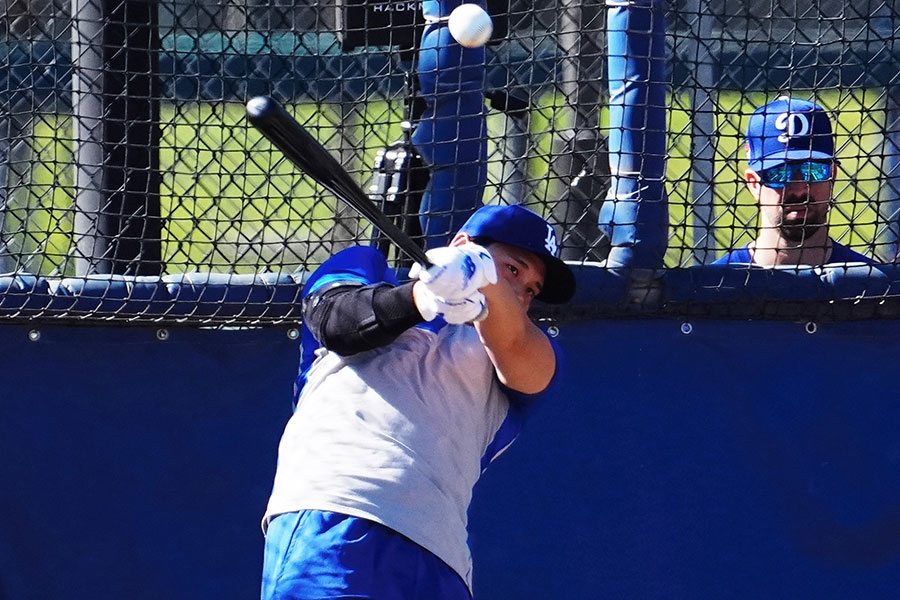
349 319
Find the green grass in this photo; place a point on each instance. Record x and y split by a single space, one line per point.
231 204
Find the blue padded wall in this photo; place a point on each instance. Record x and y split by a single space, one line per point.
138 468
744 460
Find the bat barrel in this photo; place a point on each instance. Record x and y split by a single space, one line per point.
302 149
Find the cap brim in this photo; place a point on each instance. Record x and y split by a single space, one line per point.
778 159
559 281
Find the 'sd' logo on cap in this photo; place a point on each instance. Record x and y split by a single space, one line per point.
792 124
550 241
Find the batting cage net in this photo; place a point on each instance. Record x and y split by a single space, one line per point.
132 185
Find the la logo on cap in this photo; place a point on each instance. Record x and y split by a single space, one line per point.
792 124
550 242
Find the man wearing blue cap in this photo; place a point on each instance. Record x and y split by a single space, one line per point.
413 390
790 148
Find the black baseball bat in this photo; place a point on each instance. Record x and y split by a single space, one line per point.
302 149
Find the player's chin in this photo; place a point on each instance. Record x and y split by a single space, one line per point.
800 230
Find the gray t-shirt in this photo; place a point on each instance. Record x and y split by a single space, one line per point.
399 435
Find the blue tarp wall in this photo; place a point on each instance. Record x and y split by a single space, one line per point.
686 456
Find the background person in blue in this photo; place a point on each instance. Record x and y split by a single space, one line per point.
790 148
451 135
412 392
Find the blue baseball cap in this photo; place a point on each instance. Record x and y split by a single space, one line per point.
786 130
520 227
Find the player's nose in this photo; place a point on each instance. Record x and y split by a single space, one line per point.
795 190
522 295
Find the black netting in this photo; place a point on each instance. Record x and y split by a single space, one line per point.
124 148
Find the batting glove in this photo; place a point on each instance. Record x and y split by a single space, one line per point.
457 271
455 312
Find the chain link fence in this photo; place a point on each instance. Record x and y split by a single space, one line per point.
124 149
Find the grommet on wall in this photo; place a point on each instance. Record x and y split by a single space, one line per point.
293 334
34 335
811 327
687 328
162 334
553 331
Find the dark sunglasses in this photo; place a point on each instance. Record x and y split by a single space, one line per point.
810 172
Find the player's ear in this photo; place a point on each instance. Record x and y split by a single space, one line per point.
751 178
460 238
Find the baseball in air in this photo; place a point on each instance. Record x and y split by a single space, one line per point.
470 25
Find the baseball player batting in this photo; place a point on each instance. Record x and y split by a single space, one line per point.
407 393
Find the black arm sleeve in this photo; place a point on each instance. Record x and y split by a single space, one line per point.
351 318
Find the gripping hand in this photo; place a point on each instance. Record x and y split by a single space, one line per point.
457 271
455 312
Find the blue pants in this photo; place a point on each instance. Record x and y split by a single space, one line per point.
316 555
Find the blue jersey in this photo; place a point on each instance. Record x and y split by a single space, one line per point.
839 254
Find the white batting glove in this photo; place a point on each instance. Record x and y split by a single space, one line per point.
455 312
458 271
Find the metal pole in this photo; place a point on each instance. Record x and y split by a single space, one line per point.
15 154
115 55
581 157
8 132
889 201
703 139
514 188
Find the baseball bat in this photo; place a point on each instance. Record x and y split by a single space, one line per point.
304 151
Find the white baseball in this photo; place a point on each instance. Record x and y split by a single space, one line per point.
470 25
